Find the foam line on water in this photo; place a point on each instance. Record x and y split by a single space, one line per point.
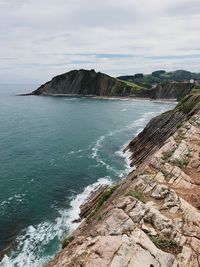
99 144
32 241
95 154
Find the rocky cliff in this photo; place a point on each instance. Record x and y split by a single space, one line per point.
84 82
152 217
89 82
176 90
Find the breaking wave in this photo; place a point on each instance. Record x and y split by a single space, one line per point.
33 240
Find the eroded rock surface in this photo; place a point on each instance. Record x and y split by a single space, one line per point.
152 219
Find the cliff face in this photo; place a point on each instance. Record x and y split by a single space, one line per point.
171 90
159 129
84 82
89 82
152 217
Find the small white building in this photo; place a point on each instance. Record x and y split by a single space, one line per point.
192 81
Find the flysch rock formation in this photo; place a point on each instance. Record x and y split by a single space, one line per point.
91 83
170 90
152 217
84 82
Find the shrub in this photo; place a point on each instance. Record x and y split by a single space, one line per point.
104 197
67 240
167 154
181 163
136 194
164 243
187 104
178 125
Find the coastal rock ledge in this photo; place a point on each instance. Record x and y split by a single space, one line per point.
152 217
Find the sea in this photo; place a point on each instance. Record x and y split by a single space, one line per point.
53 152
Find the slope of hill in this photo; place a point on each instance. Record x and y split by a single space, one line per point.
161 76
86 82
91 83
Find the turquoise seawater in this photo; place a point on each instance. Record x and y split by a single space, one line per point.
53 152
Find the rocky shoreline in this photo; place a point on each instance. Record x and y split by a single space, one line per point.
152 217
163 100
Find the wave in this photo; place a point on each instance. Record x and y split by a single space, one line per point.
33 240
97 146
138 125
95 154
75 152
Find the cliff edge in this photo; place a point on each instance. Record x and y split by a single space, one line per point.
152 217
91 83
84 82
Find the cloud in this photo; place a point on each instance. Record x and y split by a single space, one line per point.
42 38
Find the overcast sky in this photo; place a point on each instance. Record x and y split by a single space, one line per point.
42 38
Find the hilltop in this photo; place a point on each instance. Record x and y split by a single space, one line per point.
161 76
86 82
158 85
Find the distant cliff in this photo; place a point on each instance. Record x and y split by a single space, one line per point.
84 82
168 90
89 82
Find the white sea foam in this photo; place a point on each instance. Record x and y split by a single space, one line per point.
127 162
96 146
95 154
31 243
34 238
75 152
138 125
70 99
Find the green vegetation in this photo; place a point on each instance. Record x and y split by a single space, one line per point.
181 163
136 194
187 107
187 104
167 154
196 89
104 197
164 243
178 125
132 84
161 76
67 240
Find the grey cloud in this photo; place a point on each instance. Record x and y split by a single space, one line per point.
42 38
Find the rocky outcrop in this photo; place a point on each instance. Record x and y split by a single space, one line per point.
160 128
171 90
91 83
84 82
92 200
152 217
167 90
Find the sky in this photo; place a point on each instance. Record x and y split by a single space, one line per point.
42 38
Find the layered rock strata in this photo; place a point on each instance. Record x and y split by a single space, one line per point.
91 83
152 217
84 82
